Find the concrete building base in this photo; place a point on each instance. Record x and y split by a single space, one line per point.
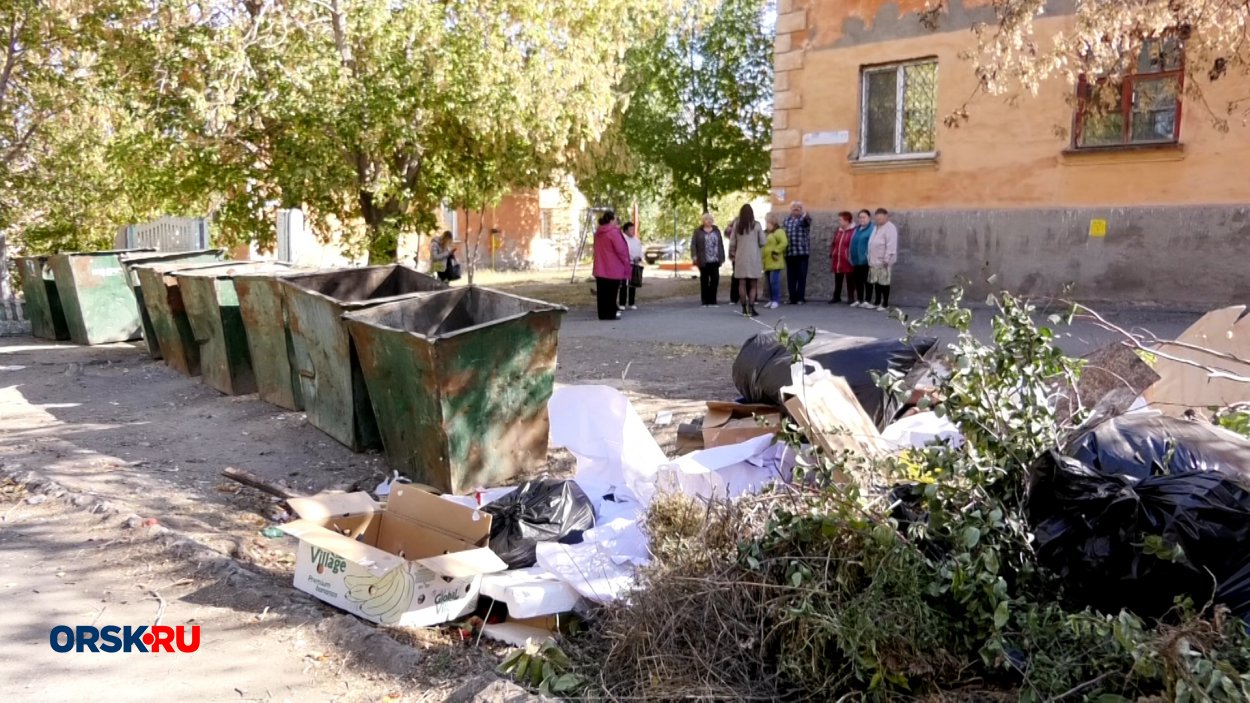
1168 258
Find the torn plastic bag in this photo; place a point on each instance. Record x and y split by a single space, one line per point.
763 365
1133 524
538 511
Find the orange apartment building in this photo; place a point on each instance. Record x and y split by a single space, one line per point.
537 228
1150 206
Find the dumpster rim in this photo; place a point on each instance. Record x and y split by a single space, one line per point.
108 252
355 305
205 271
354 317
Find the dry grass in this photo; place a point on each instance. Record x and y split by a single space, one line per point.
557 286
696 630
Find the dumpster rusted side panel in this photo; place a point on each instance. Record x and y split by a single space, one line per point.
335 394
130 261
467 409
43 302
162 297
328 371
217 323
494 392
269 340
99 306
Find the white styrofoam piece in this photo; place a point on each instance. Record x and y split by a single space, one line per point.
530 593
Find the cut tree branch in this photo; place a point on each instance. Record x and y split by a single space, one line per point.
1136 342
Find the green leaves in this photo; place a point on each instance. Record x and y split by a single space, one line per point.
368 114
699 100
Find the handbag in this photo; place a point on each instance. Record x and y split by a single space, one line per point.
635 276
453 269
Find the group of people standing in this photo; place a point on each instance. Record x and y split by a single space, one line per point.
617 268
864 251
862 254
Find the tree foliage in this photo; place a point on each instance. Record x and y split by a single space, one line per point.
697 106
368 113
1105 40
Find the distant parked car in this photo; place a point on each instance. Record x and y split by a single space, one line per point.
670 252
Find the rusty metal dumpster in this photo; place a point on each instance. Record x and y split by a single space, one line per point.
99 306
43 302
335 396
459 382
269 338
130 261
162 299
212 306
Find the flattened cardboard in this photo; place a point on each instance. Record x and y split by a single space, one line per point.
357 573
733 423
1184 387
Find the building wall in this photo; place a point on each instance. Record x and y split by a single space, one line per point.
1005 196
535 228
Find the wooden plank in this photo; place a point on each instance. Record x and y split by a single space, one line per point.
832 418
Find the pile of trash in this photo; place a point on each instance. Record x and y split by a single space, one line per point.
1133 508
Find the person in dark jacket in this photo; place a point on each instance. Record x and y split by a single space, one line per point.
707 249
798 228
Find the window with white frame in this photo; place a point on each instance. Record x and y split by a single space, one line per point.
898 110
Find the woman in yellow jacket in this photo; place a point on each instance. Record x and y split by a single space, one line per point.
774 254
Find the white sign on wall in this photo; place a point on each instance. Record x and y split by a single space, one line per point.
826 138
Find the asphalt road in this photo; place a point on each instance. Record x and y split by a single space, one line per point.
681 322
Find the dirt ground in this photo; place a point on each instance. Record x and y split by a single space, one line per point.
128 440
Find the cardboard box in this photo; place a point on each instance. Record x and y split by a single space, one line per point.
733 423
417 562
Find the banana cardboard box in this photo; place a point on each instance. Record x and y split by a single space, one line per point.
416 562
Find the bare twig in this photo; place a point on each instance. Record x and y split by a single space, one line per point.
160 609
1136 342
1080 687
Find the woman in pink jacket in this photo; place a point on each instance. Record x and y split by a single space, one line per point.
612 265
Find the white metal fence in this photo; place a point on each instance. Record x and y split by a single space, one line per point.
169 234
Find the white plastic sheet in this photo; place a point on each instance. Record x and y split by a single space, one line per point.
920 430
725 472
616 454
601 568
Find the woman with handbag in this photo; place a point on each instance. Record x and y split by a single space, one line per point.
443 258
629 292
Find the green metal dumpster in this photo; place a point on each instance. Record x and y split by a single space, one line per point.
130 261
335 397
43 302
212 306
269 338
459 382
162 299
99 306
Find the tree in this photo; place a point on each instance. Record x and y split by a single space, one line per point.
367 113
386 109
1104 42
699 100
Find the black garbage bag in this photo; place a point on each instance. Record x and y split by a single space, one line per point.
762 368
1143 509
538 511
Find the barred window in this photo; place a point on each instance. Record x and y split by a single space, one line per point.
899 109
